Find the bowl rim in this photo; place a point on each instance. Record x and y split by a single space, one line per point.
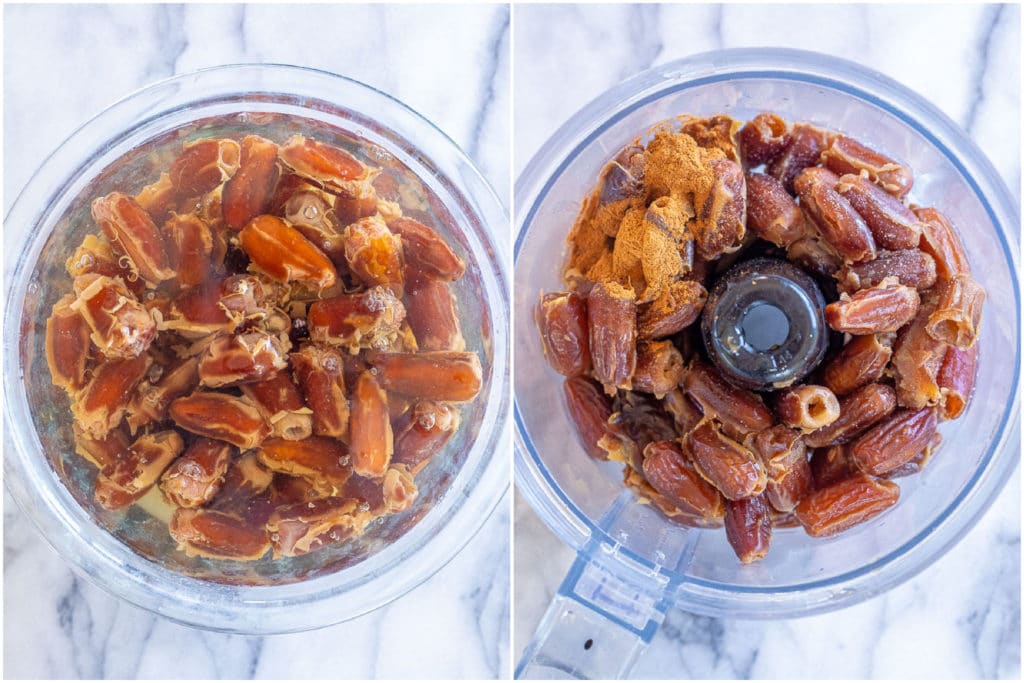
451 171
565 518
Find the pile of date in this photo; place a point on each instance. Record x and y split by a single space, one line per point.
821 454
266 340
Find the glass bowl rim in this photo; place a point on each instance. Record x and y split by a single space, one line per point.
468 512
565 518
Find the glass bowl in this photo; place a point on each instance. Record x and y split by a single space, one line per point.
129 553
626 549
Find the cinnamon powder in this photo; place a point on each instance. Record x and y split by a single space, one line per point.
644 241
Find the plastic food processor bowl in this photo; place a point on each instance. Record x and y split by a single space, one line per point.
130 554
632 563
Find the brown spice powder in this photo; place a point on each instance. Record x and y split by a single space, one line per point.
719 132
675 166
628 251
660 259
648 247
588 244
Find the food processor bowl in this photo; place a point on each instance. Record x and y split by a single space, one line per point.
632 563
130 554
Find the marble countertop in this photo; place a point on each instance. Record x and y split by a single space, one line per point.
959 618
63 65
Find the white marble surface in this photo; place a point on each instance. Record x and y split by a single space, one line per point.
961 617
64 64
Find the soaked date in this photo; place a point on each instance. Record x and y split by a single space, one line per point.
268 336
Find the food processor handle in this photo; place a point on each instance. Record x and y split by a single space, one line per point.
600 622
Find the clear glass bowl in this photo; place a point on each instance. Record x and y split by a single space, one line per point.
584 502
130 553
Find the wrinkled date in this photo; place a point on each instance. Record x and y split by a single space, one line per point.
846 155
846 503
590 411
676 308
892 224
748 526
611 321
562 319
771 212
669 217
886 307
894 441
324 463
742 410
784 455
862 361
956 380
262 334
857 411
910 267
120 326
840 225
195 478
722 218
730 466
126 479
430 426
669 470
659 368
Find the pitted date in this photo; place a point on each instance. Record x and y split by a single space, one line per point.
590 410
324 463
861 361
135 235
125 480
67 345
218 535
722 217
562 318
894 441
611 321
730 466
846 155
676 308
845 504
956 380
763 138
659 367
916 360
802 149
857 411
742 410
221 416
893 225
196 476
280 251
886 307
957 316
940 240
840 225
807 407
784 455
771 212
669 470
249 190
910 267
301 528
748 526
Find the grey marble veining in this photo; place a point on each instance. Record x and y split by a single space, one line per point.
960 618
65 64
